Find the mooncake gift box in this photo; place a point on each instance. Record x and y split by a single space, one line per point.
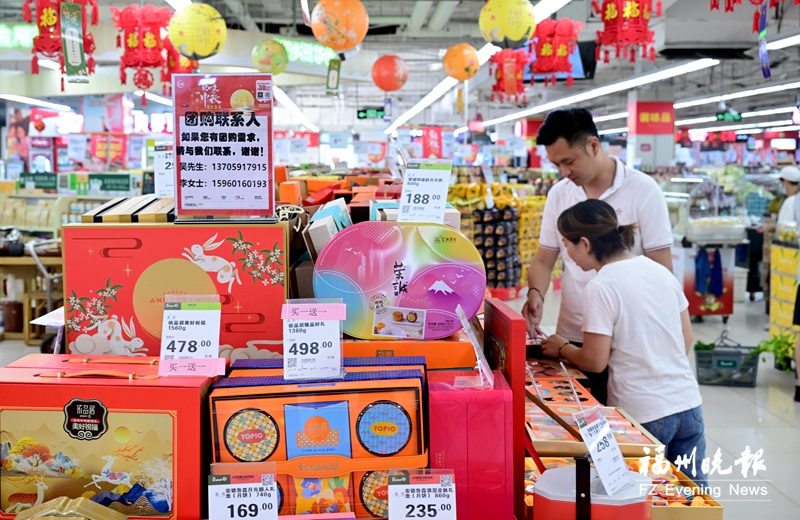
401 280
271 367
118 435
453 352
116 277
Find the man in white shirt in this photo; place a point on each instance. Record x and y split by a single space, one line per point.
790 180
573 146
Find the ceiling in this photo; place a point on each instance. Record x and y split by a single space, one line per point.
420 32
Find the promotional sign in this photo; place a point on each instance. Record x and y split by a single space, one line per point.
338 140
424 196
422 496
242 496
332 80
282 151
651 118
297 146
76 148
223 145
164 169
361 147
190 329
432 142
448 144
106 150
312 339
72 40
387 110
135 147
763 54
603 449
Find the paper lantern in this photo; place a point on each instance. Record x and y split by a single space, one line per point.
626 26
509 73
270 56
555 42
339 24
48 42
140 38
174 63
198 31
507 23
390 73
461 62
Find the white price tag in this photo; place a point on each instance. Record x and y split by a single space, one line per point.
338 140
603 449
164 170
190 329
135 147
233 497
76 148
424 196
422 496
312 340
297 146
488 176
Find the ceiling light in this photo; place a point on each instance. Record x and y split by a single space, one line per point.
790 128
31 101
738 95
785 42
687 179
752 131
49 64
545 8
460 130
770 112
696 120
178 4
286 102
728 128
621 86
154 97
608 131
611 117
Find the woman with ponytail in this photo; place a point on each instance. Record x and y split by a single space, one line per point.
636 323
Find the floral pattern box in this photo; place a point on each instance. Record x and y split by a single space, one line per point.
116 276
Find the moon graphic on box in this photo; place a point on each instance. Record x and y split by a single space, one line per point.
171 276
122 434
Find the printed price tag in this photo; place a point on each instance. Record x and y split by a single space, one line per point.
76 148
422 496
190 329
231 497
312 340
424 196
603 449
164 170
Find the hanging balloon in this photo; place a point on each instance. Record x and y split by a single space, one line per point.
507 23
198 31
390 73
461 62
339 24
270 56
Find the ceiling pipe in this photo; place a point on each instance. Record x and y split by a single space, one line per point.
441 15
419 14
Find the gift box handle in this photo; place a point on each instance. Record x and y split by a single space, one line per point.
115 361
113 374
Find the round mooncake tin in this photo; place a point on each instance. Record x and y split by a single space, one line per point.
251 435
383 428
374 493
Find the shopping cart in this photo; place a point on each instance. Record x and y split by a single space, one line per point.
52 343
727 364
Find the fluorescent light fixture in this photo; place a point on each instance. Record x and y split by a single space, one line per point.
769 112
545 8
608 131
738 95
621 86
154 97
696 121
790 128
49 64
686 179
287 103
752 131
178 4
611 117
783 43
438 91
727 128
460 130
35 102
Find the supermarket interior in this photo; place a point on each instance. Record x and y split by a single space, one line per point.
451 259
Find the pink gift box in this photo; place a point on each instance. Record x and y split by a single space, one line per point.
471 434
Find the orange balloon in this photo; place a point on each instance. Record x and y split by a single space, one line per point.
390 73
339 24
461 62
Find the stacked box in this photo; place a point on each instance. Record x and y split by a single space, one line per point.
496 235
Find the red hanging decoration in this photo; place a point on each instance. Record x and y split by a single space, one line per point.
555 41
140 38
175 63
509 66
626 24
48 42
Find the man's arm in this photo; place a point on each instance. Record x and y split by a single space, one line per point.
539 273
663 256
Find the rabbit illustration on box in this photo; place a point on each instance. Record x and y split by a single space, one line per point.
127 347
226 271
109 339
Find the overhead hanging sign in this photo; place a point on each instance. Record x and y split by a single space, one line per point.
332 81
72 39
370 113
223 145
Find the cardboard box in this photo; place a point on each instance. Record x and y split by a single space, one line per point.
118 274
130 443
471 433
302 280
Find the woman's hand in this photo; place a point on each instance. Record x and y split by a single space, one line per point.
551 346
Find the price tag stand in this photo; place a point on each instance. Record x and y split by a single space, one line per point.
243 490
312 338
422 493
190 336
603 449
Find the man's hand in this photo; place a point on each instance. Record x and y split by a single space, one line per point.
532 310
551 345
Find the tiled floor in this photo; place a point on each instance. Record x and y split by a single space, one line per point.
765 417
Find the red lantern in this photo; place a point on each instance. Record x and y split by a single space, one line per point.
509 70
555 41
48 42
626 27
140 39
390 73
175 63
